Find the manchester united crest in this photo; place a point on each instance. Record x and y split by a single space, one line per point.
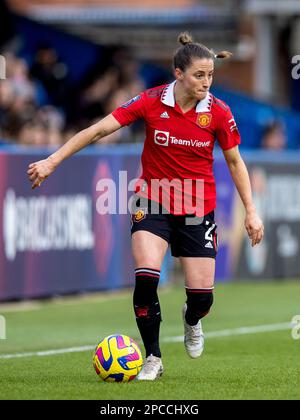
204 120
139 215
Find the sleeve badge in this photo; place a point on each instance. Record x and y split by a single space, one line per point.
131 101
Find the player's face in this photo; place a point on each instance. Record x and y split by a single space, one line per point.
197 78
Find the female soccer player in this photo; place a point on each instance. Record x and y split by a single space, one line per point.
183 119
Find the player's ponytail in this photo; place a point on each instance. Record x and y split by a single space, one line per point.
190 49
223 54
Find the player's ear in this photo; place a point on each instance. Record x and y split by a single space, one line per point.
178 74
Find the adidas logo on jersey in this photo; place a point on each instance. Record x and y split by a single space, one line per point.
209 245
164 115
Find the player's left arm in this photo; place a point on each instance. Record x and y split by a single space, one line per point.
240 176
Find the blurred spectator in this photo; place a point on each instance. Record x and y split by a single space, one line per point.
17 97
118 97
274 137
52 73
51 117
33 133
35 103
94 97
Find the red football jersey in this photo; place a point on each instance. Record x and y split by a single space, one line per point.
177 159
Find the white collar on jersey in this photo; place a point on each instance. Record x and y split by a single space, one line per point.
168 98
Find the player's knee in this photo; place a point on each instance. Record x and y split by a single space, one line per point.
200 281
153 260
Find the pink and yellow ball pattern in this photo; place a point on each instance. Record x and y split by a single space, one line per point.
117 358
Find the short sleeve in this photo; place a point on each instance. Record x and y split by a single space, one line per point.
227 132
132 110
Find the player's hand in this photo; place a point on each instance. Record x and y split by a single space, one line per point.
39 171
254 227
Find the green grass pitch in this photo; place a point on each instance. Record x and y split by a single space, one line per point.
257 365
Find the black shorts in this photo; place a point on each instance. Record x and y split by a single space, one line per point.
189 236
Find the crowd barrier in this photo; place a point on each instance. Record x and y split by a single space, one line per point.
54 241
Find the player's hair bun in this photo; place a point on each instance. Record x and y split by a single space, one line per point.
185 38
190 50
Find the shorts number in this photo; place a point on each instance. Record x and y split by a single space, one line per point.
208 235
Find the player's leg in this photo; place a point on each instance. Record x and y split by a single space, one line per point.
199 282
148 252
196 246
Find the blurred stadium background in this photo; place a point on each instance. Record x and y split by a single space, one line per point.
65 64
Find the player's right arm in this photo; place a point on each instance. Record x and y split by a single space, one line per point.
39 171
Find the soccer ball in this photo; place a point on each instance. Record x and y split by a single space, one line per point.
117 358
